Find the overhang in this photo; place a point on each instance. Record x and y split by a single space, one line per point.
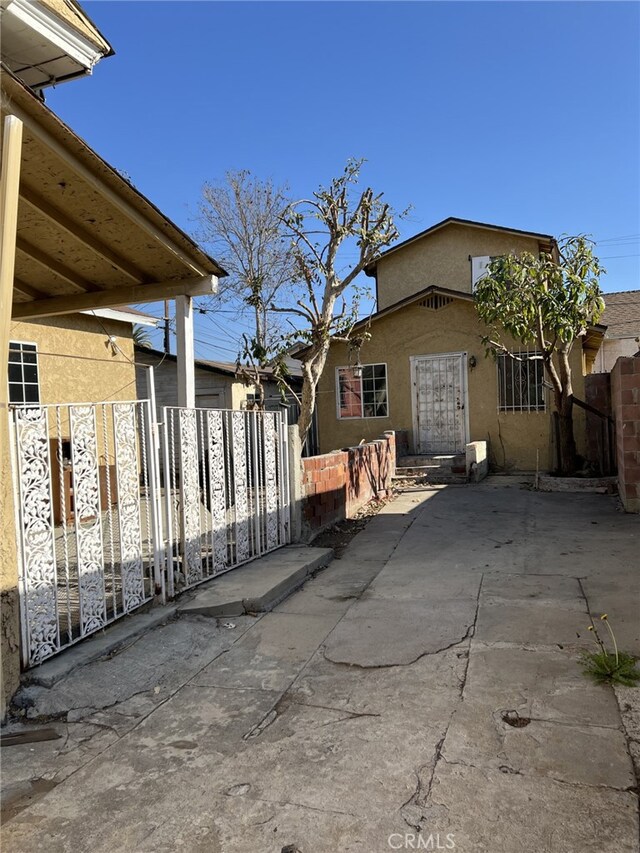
86 237
45 42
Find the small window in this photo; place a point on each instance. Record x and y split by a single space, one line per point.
479 268
520 382
362 391
23 374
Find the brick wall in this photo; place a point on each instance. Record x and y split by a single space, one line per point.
625 401
336 485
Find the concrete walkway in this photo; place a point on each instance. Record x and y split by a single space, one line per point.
423 692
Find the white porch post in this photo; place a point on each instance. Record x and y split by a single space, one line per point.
184 333
9 193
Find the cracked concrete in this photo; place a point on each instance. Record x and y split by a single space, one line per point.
370 705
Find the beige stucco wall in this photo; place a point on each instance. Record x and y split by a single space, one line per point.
412 331
75 365
75 361
9 608
611 350
442 259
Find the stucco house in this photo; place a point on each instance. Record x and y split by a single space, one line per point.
423 369
622 319
86 357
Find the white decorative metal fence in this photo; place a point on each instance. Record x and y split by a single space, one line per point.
87 517
105 526
226 488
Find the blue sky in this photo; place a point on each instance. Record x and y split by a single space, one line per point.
519 114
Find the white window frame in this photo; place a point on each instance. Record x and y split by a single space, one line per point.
524 406
477 274
362 416
23 383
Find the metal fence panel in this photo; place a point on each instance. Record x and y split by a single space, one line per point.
85 514
225 480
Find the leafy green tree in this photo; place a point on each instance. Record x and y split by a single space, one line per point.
547 300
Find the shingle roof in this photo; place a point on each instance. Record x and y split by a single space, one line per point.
622 314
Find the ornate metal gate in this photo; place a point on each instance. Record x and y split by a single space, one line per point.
87 519
226 488
89 492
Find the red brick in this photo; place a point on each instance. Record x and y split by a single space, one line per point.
630 412
629 380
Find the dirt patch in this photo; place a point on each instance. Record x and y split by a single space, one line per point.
340 534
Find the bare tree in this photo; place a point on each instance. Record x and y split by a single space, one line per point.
337 216
241 219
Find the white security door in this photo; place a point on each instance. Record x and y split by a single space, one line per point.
439 403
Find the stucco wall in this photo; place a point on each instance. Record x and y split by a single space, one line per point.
442 259
611 350
513 437
76 363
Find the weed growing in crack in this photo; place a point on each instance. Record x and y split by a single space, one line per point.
606 666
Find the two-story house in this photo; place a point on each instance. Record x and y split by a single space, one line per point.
423 367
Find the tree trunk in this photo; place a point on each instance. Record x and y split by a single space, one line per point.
312 368
566 440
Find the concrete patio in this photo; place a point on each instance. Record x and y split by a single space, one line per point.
422 692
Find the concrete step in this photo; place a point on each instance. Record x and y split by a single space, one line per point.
259 586
429 475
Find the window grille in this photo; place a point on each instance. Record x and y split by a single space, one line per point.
520 382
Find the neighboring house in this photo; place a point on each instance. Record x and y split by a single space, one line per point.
424 368
74 358
217 384
622 319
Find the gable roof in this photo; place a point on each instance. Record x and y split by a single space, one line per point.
594 335
454 220
622 314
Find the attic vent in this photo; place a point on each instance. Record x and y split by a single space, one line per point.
435 301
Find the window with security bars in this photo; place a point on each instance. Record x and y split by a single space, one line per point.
23 374
520 382
362 391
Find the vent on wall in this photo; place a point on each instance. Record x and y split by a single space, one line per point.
436 301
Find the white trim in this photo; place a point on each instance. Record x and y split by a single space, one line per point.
123 316
57 32
361 417
464 376
479 264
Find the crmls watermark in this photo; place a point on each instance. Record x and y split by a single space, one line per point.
418 841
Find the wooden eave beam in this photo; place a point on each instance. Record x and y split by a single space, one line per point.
83 235
117 296
54 266
26 290
127 209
